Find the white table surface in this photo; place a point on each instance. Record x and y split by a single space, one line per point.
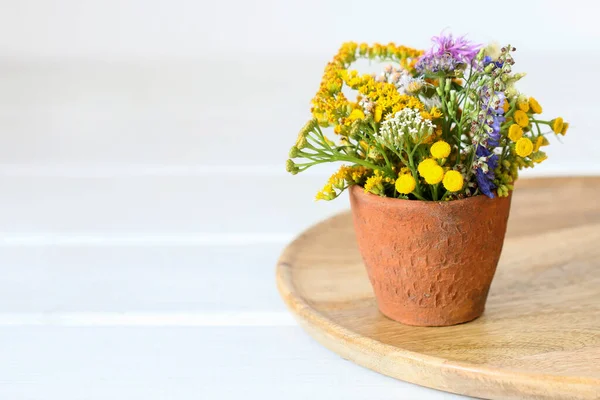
140 222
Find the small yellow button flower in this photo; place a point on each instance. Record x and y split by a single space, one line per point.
524 147
453 181
515 132
539 157
557 125
523 106
440 149
535 106
521 118
506 106
538 143
405 184
565 128
433 174
425 165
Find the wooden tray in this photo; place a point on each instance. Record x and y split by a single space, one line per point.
539 336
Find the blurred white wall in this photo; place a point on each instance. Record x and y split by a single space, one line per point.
216 90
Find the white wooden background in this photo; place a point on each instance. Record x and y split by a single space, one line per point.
144 201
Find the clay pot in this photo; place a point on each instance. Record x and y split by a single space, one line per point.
430 263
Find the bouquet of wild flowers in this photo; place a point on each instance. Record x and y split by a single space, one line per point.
438 125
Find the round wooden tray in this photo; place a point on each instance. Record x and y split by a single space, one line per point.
539 336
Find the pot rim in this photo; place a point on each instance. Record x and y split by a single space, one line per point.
358 191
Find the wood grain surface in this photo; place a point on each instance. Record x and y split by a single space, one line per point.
539 336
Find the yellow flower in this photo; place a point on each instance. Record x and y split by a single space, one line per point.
557 125
453 181
435 112
440 149
506 106
431 171
515 132
405 184
524 147
375 185
535 106
434 175
425 165
565 128
521 118
538 143
378 112
538 157
356 114
523 106
327 193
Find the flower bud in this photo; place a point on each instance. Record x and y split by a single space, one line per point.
291 167
293 153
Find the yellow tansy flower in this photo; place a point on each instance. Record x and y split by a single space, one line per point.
425 165
453 181
557 125
431 171
565 128
538 143
434 175
535 106
524 147
538 157
521 118
523 106
506 106
440 149
515 132
405 184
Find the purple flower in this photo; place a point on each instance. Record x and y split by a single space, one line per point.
460 48
436 63
494 135
447 54
485 180
485 184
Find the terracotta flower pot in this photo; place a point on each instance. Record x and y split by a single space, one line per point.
430 263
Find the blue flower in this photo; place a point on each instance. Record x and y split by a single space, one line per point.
485 180
494 135
485 184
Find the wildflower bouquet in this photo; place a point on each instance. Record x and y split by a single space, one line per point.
443 124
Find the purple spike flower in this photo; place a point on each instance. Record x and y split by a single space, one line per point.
485 180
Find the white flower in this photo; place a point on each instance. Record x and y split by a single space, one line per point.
431 102
409 85
406 122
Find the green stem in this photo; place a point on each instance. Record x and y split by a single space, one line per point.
418 196
537 121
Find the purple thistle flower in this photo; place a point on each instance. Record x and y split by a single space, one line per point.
447 54
436 63
459 49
